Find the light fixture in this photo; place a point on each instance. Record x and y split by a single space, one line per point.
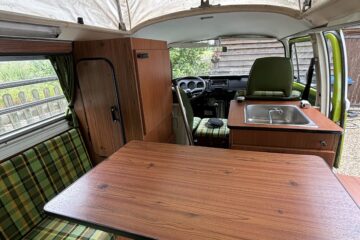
26 30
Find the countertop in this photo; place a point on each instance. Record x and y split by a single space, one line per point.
236 118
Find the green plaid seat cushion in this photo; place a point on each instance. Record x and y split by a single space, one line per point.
204 130
53 228
32 178
214 137
196 123
274 95
269 93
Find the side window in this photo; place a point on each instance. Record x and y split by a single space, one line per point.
301 55
30 94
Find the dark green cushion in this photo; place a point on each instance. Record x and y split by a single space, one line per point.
53 228
271 74
32 178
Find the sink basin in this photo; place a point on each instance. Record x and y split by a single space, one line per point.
276 115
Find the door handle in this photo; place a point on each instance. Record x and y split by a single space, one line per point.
142 55
113 111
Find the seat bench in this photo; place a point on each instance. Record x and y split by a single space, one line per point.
32 178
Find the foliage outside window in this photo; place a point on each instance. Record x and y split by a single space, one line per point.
191 61
29 93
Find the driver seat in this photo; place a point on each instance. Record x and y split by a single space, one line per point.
202 133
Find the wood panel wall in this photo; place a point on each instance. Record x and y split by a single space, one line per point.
36 47
119 53
144 86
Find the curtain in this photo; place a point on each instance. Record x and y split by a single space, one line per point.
64 68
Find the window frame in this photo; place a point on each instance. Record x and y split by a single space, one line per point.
42 124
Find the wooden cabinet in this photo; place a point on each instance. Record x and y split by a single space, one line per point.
140 93
155 93
321 141
310 143
100 101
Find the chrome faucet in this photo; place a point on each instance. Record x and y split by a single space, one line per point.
277 110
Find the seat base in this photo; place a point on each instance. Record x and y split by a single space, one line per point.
52 228
271 95
212 137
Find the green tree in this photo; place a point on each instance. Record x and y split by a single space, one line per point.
11 71
191 61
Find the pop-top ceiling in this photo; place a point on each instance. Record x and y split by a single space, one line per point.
147 17
136 12
105 13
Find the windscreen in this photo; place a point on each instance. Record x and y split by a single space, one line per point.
233 56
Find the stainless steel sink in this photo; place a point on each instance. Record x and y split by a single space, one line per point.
277 115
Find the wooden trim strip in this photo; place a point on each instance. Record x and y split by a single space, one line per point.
36 47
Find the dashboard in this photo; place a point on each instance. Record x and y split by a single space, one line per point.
211 96
191 84
213 83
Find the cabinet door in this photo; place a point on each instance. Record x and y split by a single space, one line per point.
154 81
101 104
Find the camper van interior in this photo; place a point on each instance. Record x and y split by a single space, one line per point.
194 119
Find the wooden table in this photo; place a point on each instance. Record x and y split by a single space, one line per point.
165 191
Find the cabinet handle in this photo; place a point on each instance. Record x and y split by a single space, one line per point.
113 110
142 55
323 143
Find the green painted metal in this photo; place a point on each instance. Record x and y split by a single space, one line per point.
337 62
341 146
300 87
300 39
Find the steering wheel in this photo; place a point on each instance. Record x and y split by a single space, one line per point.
193 93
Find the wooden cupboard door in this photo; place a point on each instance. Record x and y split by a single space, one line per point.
154 84
101 103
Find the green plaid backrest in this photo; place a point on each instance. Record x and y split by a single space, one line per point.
32 178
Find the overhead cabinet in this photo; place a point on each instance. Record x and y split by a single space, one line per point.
124 92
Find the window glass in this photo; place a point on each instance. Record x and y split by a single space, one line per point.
301 55
30 93
232 56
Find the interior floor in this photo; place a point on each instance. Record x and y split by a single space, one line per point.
352 185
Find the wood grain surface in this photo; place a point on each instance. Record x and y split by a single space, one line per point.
154 82
236 118
106 135
144 87
165 191
23 46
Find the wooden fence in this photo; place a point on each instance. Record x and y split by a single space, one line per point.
352 38
19 111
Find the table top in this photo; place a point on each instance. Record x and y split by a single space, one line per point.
236 118
165 191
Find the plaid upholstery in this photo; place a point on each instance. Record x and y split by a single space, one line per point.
196 123
269 93
274 95
52 228
214 137
32 178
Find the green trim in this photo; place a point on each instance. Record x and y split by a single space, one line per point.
340 147
336 98
300 87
